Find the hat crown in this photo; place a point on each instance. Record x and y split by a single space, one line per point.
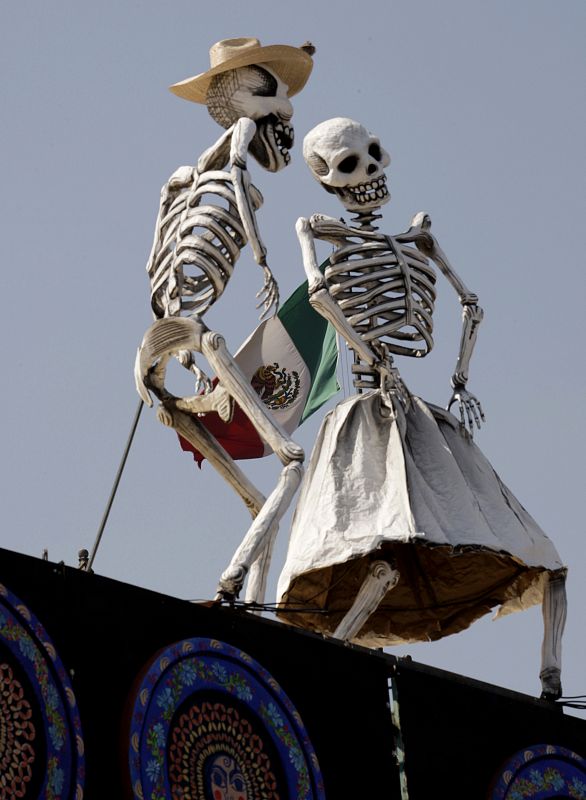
227 49
291 64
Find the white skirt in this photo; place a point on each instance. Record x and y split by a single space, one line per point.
413 488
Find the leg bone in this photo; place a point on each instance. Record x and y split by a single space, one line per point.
171 335
256 584
164 338
554 619
203 441
261 529
217 400
381 579
231 377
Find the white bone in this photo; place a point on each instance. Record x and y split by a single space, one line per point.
231 377
381 578
383 292
256 93
244 132
377 290
332 147
256 582
200 438
206 216
320 298
383 287
472 314
554 609
270 514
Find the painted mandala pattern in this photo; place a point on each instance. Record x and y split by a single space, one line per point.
41 745
17 736
540 772
211 737
209 723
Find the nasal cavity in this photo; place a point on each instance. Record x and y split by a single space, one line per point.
372 168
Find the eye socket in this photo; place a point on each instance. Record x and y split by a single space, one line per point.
375 151
266 85
349 164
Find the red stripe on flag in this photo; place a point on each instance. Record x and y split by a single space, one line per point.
238 437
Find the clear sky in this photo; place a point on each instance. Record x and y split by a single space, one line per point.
482 108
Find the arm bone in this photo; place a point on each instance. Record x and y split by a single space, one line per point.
472 313
243 133
321 299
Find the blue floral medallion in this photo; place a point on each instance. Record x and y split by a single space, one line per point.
208 722
41 744
540 772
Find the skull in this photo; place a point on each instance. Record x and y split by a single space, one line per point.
348 161
259 94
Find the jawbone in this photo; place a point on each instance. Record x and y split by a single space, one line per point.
272 142
364 196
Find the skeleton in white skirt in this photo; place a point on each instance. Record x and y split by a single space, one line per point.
379 292
207 215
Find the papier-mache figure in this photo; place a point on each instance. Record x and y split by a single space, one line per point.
206 217
403 531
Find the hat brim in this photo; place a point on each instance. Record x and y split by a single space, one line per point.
291 64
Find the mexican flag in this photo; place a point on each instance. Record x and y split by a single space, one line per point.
290 360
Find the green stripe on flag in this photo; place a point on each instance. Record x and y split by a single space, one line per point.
315 339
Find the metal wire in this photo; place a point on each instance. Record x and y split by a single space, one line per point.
273 608
576 701
90 562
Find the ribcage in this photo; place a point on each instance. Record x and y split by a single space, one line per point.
198 241
387 293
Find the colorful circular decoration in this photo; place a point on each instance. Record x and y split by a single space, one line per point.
41 744
209 723
276 386
542 772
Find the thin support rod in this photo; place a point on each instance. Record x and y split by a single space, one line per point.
115 486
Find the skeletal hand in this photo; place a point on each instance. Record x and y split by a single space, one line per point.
268 295
470 409
203 384
165 416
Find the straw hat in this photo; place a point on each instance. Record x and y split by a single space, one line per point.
292 64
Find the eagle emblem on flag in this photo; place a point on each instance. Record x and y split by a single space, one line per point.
276 386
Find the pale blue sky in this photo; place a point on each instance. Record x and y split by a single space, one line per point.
482 108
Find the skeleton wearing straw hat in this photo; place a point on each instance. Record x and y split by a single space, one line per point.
207 215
